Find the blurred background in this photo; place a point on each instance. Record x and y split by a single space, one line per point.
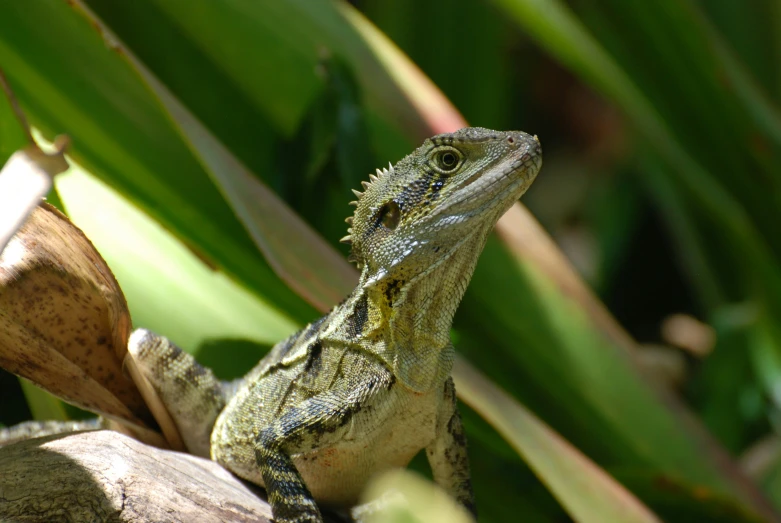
661 185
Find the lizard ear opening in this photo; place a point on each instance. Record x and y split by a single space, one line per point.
390 215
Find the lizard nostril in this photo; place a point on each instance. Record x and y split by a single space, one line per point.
510 140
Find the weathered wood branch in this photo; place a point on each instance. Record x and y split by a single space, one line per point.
106 476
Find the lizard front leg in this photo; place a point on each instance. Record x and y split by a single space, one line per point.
318 419
288 495
447 455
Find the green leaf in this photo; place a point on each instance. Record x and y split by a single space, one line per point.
269 221
43 406
586 491
168 288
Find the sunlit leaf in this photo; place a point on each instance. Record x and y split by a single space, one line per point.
585 490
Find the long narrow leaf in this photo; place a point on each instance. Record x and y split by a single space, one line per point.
268 220
587 492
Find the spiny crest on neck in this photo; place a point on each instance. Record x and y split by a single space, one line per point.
385 171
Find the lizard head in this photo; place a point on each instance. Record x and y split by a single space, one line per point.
416 214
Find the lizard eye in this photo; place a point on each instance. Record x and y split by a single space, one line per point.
390 215
447 160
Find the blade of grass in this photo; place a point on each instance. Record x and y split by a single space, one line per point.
693 254
586 491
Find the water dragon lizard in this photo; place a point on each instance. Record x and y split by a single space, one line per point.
367 386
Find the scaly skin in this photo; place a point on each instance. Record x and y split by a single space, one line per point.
367 386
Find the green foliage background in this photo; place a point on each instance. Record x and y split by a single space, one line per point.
662 140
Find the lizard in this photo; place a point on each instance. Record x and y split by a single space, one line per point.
367 386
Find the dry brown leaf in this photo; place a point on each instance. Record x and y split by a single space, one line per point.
64 322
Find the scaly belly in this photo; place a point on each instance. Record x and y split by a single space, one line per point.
337 475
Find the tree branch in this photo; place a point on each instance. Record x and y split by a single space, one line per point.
106 476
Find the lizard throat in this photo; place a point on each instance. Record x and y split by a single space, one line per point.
410 321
